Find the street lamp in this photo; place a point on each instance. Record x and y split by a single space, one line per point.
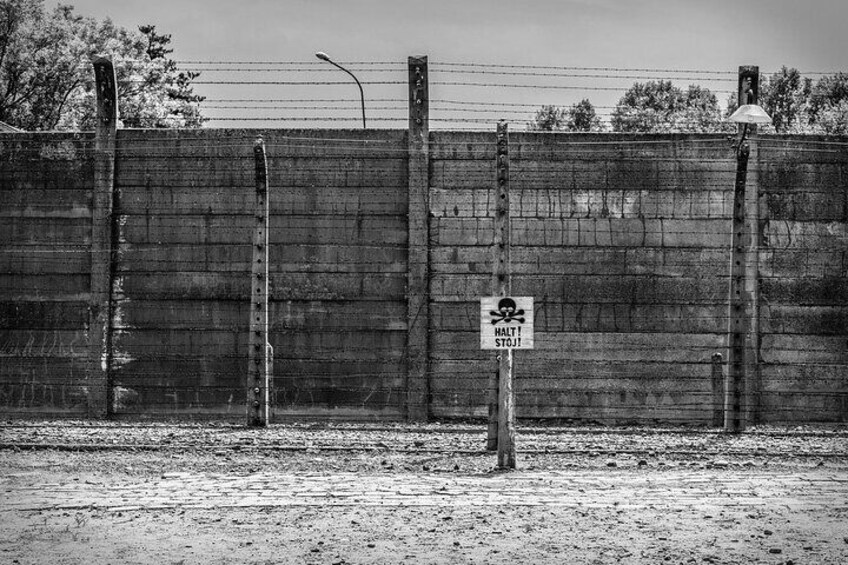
324 57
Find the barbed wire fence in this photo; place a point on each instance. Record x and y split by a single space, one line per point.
464 95
182 226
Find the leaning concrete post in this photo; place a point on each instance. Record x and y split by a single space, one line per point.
100 297
749 78
418 275
737 315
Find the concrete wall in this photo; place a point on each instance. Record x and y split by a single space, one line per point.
804 278
622 240
337 268
45 236
624 246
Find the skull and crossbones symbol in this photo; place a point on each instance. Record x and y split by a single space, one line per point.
507 312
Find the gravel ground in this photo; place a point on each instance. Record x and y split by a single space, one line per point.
77 492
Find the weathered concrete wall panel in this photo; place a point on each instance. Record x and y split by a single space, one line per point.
804 279
337 267
45 263
624 243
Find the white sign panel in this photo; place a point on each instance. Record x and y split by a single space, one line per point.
506 322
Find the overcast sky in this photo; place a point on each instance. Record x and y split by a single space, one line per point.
714 35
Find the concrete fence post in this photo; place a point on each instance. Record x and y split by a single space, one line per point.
738 302
743 312
418 268
749 78
259 354
102 240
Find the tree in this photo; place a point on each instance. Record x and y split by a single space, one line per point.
827 108
701 112
658 106
833 119
578 117
548 118
582 117
46 77
784 97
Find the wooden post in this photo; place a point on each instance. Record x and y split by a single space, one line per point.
418 274
259 355
102 236
269 357
492 394
506 412
505 409
501 280
718 390
742 313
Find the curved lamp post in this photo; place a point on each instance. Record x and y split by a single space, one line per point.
324 57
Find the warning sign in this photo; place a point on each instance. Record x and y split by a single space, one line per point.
506 322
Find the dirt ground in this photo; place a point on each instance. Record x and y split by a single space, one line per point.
73 492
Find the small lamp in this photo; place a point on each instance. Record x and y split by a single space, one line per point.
749 114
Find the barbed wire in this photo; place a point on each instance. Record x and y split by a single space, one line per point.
31 143
449 71
311 107
302 70
541 86
433 101
298 82
472 65
402 64
578 68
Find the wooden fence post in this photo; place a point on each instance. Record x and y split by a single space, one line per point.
505 412
718 389
418 268
102 235
260 354
501 281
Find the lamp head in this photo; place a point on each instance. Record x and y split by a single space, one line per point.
323 56
750 114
